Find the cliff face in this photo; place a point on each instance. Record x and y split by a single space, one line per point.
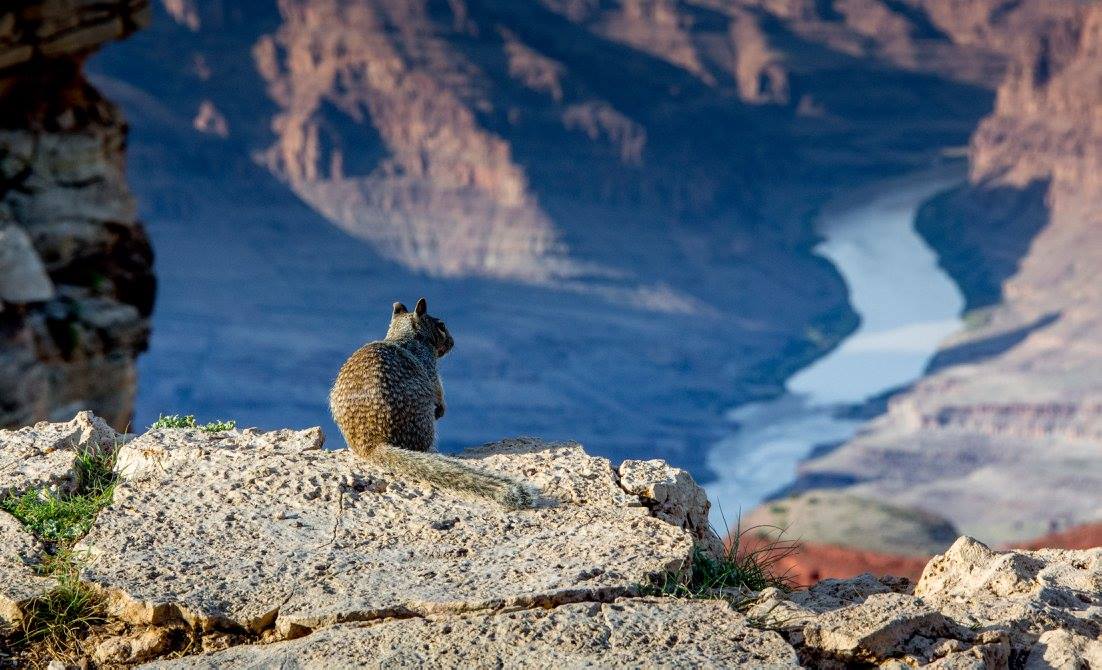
76 286
1003 437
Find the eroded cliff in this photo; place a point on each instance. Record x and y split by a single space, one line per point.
1003 436
76 283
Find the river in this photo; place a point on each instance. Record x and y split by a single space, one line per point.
907 305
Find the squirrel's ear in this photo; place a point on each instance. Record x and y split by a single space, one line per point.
421 307
399 308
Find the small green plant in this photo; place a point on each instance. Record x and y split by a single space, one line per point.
218 426
174 421
188 421
59 519
739 570
53 517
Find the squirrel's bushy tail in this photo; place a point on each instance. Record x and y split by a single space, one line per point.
453 474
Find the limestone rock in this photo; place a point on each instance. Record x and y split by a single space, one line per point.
629 634
673 496
1066 651
43 455
250 529
135 648
23 278
884 626
71 248
793 611
831 594
1025 593
969 569
18 581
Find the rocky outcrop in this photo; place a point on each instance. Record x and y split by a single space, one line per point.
245 548
76 287
972 607
19 583
290 536
638 632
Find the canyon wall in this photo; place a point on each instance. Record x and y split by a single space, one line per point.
1002 437
611 203
76 284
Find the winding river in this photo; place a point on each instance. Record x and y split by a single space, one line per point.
907 305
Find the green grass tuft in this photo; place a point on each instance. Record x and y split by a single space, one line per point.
58 617
59 519
188 421
63 518
731 576
53 517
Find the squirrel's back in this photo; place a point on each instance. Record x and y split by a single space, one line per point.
384 395
386 400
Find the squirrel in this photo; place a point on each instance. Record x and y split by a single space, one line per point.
387 398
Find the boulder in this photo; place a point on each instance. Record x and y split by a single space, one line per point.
658 633
43 455
1065 650
249 530
1027 594
673 496
133 648
1059 577
884 626
19 583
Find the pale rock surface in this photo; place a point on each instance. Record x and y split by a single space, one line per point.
973 608
18 581
1065 650
1064 578
250 529
647 633
136 648
43 455
1026 593
673 496
879 628
253 549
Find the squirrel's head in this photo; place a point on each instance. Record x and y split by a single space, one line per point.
421 325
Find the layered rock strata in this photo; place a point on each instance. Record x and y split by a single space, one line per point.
76 284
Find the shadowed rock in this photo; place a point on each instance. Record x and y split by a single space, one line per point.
627 633
23 278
